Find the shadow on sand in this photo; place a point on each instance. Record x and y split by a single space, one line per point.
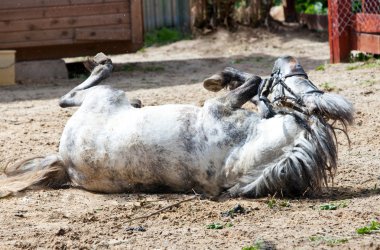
148 75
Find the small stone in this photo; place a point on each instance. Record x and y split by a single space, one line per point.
138 229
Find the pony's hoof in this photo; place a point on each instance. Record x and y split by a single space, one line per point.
136 103
214 83
101 58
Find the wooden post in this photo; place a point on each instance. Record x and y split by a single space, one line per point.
137 22
339 35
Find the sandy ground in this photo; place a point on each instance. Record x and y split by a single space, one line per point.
31 123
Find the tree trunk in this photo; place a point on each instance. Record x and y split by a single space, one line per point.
290 10
208 14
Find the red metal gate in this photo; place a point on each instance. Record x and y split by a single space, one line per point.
353 25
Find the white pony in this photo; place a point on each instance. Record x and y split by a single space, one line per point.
110 146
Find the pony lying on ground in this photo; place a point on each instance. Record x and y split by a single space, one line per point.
110 146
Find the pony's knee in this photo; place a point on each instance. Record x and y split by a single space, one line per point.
72 99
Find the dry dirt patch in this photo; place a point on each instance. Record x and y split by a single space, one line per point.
31 123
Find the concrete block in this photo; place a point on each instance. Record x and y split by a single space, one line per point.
45 71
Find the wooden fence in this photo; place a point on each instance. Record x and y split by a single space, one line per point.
44 29
353 25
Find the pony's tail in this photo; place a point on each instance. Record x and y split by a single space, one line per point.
46 171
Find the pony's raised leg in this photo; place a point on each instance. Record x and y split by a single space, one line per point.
230 77
102 70
234 78
242 94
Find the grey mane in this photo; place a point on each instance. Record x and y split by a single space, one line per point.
334 107
305 168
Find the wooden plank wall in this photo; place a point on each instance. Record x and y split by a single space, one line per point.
73 26
166 13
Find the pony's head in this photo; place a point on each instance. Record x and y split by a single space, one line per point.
290 87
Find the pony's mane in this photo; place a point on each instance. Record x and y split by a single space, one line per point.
304 168
335 108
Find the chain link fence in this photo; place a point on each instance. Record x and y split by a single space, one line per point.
361 15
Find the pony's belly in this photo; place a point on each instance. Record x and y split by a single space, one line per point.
149 150
123 168
141 166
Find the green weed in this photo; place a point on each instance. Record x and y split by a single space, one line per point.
336 241
284 203
352 67
273 202
327 86
217 225
321 67
163 36
374 226
327 240
328 207
366 65
214 226
257 246
254 247
333 206
260 244
361 57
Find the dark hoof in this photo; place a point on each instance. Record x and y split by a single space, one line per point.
136 103
99 58
214 83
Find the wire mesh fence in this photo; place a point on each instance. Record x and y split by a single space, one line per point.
356 14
